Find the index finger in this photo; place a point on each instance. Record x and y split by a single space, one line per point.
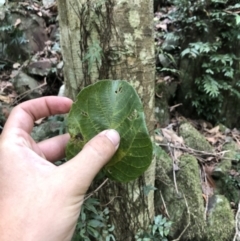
25 114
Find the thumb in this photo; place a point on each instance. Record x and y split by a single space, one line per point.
80 170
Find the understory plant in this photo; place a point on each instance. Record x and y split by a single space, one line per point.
209 33
158 231
11 38
93 223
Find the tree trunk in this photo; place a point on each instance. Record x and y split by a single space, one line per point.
113 39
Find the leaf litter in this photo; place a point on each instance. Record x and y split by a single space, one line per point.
44 65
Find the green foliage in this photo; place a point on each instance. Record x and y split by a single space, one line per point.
93 55
166 62
93 223
231 187
11 38
148 188
210 32
112 105
158 231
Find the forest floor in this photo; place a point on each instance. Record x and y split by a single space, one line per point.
36 71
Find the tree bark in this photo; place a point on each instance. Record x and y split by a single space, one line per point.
113 39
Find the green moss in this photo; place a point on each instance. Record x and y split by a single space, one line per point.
163 181
220 223
193 138
188 182
232 149
224 166
220 220
163 166
226 184
222 128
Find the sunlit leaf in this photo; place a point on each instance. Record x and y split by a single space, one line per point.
112 105
237 19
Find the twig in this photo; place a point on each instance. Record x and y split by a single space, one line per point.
237 220
159 96
164 204
197 151
96 190
174 174
206 208
184 230
103 205
174 106
19 97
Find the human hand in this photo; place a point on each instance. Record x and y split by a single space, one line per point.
38 200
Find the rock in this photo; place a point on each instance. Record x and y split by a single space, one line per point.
188 182
219 225
193 138
41 67
222 169
163 166
220 222
26 85
27 38
47 130
226 183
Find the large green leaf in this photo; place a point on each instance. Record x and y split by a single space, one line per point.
112 105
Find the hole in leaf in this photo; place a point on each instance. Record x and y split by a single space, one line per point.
84 113
79 137
119 90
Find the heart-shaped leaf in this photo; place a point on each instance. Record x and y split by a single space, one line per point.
112 105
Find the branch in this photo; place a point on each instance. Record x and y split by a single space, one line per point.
174 174
196 152
237 220
164 204
96 190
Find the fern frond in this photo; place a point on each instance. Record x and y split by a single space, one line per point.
210 86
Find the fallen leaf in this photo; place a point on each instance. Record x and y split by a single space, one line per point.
18 21
16 65
162 26
158 138
39 14
39 121
5 99
171 136
177 153
212 140
213 130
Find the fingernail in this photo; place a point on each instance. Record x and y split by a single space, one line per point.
113 136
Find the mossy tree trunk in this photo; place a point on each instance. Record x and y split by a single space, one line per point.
113 39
